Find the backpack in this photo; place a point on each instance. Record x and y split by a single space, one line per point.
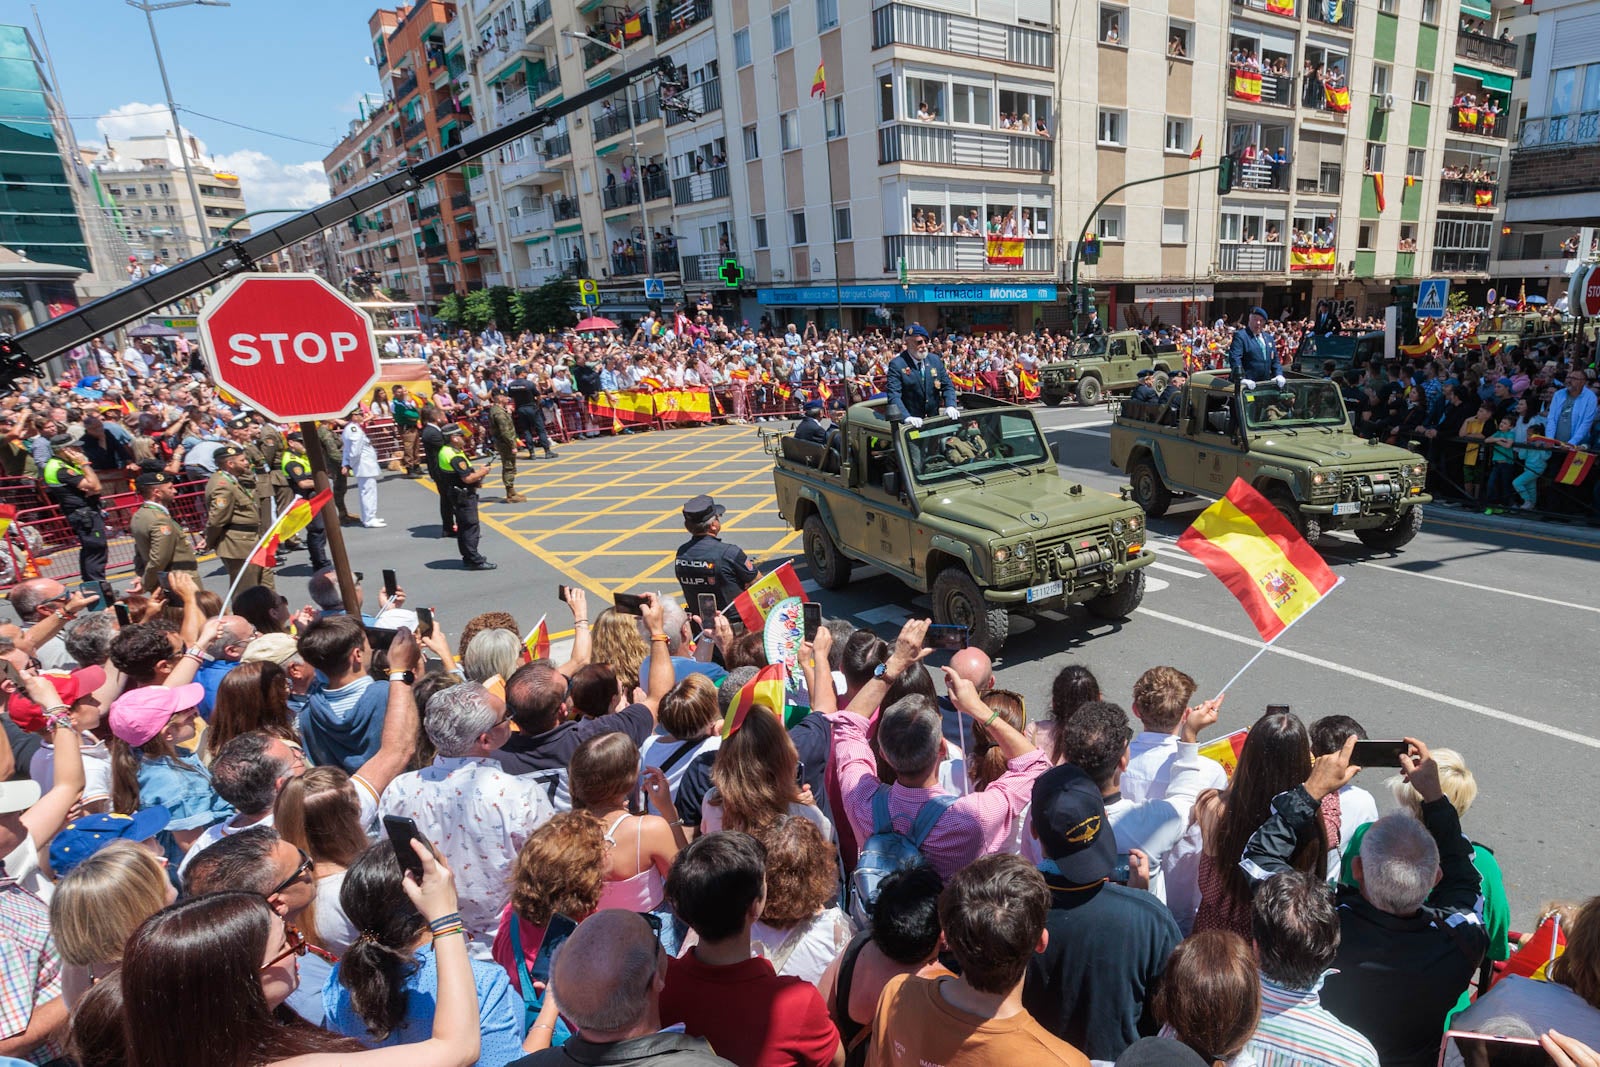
888 850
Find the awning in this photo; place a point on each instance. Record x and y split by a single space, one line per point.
576 227
1500 83
538 240
1478 9
608 149
507 71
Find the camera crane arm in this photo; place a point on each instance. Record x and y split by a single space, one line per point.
21 355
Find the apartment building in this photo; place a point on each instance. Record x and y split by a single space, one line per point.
146 181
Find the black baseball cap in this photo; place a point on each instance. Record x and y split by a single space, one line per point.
702 509
1069 816
151 479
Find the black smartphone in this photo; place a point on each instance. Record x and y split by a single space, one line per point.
812 614
402 831
1123 870
424 622
628 603
1379 753
165 578
390 583
1489 1050
800 773
707 603
561 593
946 635
123 618
556 933
1277 709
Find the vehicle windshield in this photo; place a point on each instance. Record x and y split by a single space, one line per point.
980 443
1298 403
1089 346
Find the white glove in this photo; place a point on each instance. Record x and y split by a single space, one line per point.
1247 383
1278 381
954 413
913 422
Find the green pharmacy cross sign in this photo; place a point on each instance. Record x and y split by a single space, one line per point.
731 273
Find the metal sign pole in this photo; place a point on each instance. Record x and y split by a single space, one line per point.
330 520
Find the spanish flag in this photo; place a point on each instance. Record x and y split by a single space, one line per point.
632 28
8 515
537 643
1483 198
296 518
1201 143
1027 384
765 690
1377 189
1261 558
819 83
1575 468
764 593
1226 749
1003 251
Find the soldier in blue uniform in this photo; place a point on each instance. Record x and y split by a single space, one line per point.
918 382
1252 357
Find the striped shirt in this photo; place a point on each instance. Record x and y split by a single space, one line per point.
30 968
1297 1031
975 825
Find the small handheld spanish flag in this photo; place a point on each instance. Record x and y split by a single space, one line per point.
819 84
537 643
765 690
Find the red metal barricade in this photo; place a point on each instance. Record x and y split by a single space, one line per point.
42 544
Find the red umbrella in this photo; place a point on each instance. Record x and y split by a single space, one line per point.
595 323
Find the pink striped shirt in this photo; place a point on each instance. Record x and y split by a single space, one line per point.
975 825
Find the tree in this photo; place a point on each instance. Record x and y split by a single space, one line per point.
503 308
549 307
477 309
1458 300
450 311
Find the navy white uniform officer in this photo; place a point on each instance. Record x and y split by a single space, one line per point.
918 382
707 564
1252 357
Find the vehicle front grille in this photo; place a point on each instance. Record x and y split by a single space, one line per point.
1085 553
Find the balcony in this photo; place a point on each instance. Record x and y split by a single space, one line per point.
543 87
1330 105
696 188
1261 175
478 187
428 211
676 16
612 122
700 99
613 197
1255 87
1573 130
557 146
1234 257
407 86
445 107
461 200
521 170
916 142
452 33
492 278
467 242
435 248
536 15
646 109
1478 121
1455 193
575 267
656 187
1339 13
1282 8
414 129
943 253
513 107
564 207
962 35
704 267
595 53
1460 261
532 277
1481 49
529 222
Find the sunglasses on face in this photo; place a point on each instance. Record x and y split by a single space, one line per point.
302 873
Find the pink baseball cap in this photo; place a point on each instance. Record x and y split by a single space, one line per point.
140 714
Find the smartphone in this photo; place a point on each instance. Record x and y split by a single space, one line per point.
1488 1050
945 635
1379 753
165 579
1277 709
1122 871
424 622
390 583
628 603
556 933
123 618
707 602
402 831
800 773
812 614
561 593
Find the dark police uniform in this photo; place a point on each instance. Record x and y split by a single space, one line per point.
1172 399
811 428
526 396
450 467
81 509
1253 356
1143 392
707 564
434 440
297 472
159 541
916 387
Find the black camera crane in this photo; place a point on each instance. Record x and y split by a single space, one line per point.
22 354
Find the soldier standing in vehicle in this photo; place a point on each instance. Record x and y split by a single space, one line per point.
458 478
297 471
918 381
233 521
160 543
72 485
503 431
1252 357
706 563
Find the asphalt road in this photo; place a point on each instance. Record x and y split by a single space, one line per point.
1474 639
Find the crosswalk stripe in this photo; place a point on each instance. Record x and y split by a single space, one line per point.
1176 570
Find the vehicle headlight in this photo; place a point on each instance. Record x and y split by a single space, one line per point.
1117 526
1318 478
1135 521
1002 554
1417 470
1020 551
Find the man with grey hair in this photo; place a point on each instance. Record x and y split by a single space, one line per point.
474 813
675 624
88 638
223 655
1411 933
608 978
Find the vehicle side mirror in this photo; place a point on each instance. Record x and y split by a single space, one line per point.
1218 421
1055 452
891 483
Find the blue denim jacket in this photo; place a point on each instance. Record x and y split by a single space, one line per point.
182 785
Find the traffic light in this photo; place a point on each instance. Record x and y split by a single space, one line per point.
1405 298
1225 175
1085 301
1090 250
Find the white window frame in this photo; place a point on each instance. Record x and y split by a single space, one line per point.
1106 13
799 231
827 14
742 54
1111 217
1375 156
1118 118
1382 77
1430 12
1416 162
1174 217
758 231
782 30
833 117
1187 28
752 142
1422 87
789 131
1177 136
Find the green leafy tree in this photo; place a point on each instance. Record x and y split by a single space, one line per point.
504 311
549 307
450 311
478 310
1458 300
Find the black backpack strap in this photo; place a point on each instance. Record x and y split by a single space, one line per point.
685 749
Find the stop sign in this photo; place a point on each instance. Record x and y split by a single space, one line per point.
289 345
1591 294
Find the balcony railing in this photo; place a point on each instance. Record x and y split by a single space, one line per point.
1478 121
452 33
445 107
1483 49
954 254
529 222
1316 98
646 109
521 170
467 242
1234 257
1261 175
1467 194
407 86
618 196
460 200
576 267
1560 131
428 211
543 86
478 187
1460 261
656 187
557 146
435 248
1261 88
536 15
1284 8
695 188
703 267
564 207
512 108
915 142
415 128
675 16
962 35
1340 13
611 123
532 277
703 99
595 53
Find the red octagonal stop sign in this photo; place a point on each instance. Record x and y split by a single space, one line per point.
289 345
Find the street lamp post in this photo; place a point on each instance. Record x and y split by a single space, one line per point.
633 140
149 10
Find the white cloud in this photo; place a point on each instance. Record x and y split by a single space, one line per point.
134 120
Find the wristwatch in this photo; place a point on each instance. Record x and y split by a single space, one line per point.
882 671
404 677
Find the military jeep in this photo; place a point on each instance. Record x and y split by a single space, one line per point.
973 511
1104 364
1293 444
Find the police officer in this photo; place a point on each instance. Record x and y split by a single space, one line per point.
503 431
813 427
233 521
1252 357
72 485
434 440
529 409
705 563
918 382
457 476
1143 392
160 543
297 472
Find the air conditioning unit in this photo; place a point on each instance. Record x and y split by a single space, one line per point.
1387 103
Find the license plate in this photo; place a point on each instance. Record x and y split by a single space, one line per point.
1044 592
1352 507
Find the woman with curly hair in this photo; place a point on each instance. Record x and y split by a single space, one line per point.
1073 687
488 620
618 645
798 930
561 870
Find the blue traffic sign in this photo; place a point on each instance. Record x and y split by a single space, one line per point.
1433 296
655 289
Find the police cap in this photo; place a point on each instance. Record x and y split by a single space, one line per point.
702 509
1145 373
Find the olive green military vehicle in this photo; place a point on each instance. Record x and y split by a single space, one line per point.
1293 444
1106 364
973 511
1513 330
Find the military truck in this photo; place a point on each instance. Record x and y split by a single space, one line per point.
973 511
1513 330
1106 363
1346 351
1293 444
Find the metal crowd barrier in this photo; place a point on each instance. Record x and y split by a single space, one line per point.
40 543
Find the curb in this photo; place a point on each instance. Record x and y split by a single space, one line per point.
1464 516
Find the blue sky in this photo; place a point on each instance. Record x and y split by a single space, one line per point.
294 67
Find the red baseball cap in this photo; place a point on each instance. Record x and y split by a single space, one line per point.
72 687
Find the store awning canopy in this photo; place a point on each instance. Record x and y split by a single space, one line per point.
1500 83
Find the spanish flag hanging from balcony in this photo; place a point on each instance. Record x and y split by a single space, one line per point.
1281 7
1483 197
632 27
819 83
1467 117
1338 99
1309 257
1377 190
1247 84
1003 251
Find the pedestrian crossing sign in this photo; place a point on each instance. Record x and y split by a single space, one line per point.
655 289
1433 295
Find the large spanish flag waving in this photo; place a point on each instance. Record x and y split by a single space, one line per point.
1260 557
295 518
754 604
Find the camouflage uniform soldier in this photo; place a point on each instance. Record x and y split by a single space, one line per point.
503 430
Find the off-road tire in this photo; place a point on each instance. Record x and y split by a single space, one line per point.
1121 601
1089 391
1309 526
958 601
1149 491
1397 534
829 566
